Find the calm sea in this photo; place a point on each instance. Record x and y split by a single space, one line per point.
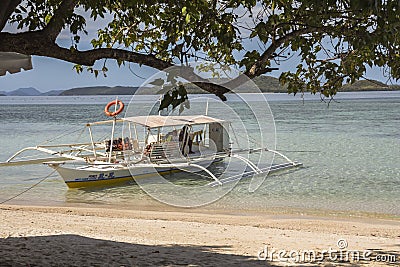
350 151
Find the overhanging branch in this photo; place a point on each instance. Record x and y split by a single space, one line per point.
58 21
216 89
35 43
259 67
7 7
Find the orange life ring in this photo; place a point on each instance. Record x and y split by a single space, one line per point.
112 103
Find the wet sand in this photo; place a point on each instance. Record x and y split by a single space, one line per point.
109 236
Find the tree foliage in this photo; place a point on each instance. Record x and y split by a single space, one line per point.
334 41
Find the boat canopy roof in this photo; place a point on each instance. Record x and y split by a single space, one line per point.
155 121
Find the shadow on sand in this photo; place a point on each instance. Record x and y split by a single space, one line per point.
75 250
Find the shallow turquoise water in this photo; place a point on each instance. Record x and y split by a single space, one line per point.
350 151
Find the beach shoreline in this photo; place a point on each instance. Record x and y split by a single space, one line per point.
132 237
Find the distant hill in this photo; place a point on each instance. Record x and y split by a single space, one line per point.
53 93
367 85
30 91
100 90
269 84
266 84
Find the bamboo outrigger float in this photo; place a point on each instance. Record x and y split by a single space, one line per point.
168 143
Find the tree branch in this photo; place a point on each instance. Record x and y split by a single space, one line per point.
216 89
259 67
58 21
7 7
33 43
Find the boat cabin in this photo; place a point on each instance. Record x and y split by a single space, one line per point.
166 137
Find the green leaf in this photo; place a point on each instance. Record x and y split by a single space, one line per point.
253 34
182 90
166 101
175 102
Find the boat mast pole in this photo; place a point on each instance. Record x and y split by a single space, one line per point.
136 133
147 136
91 140
205 125
159 111
130 130
112 131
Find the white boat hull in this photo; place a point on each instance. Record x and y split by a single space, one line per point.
89 176
101 175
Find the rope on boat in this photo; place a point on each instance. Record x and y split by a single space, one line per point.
29 188
63 134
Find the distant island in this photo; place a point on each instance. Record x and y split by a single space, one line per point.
267 84
30 91
100 90
369 85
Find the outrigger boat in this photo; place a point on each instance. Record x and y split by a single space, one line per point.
168 143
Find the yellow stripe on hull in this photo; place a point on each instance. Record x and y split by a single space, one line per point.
107 182
114 181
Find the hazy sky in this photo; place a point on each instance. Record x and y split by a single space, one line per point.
52 74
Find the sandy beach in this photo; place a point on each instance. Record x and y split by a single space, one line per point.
107 236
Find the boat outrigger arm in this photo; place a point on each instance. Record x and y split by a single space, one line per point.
255 169
60 155
207 171
248 162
